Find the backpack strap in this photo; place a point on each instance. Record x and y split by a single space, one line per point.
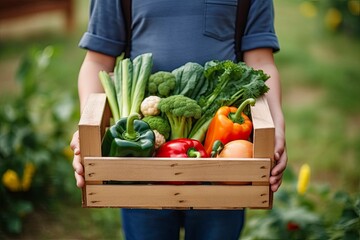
127 13
243 7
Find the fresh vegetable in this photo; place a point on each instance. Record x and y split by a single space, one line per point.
216 148
233 149
110 92
149 106
237 149
126 90
129 137
190 80
142 67
159 139
124 82
161 84
181 112
228 124
182 148
160 124
230 84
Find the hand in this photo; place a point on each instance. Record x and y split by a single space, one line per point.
78 167
281 159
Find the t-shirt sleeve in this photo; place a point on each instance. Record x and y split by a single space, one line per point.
106 29
260 31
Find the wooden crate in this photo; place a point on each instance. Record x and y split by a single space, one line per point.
143 182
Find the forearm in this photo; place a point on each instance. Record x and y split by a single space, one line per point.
273 97
263 59
88 80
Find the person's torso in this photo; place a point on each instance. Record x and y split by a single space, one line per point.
176 32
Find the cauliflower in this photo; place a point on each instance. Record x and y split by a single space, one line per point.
161 84
149 106
159 139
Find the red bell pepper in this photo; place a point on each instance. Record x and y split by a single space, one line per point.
183 148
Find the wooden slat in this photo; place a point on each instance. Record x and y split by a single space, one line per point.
264 130
90 125
91 128
264 133
158 196
180 169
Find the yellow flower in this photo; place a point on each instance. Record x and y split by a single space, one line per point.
304 179
333 18
354 7
27 176
11 181
308 9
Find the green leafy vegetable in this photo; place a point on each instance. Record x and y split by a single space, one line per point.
141 73
230 84
127 89
190 80
110 92
126 82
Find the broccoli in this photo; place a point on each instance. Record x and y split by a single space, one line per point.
158 123
161 84
181 112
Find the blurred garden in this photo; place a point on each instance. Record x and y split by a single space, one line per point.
319 66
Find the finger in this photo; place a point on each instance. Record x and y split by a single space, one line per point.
274 179
280 164
77 151
275 186
78 167
74 144
278 168
80 182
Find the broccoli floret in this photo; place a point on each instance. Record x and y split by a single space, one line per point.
158 123
181 111
161 84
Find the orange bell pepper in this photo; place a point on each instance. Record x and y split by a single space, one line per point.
228 124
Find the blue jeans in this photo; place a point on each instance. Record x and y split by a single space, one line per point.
148 224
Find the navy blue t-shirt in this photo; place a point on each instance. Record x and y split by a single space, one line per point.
179 31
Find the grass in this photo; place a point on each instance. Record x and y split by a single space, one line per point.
320 77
